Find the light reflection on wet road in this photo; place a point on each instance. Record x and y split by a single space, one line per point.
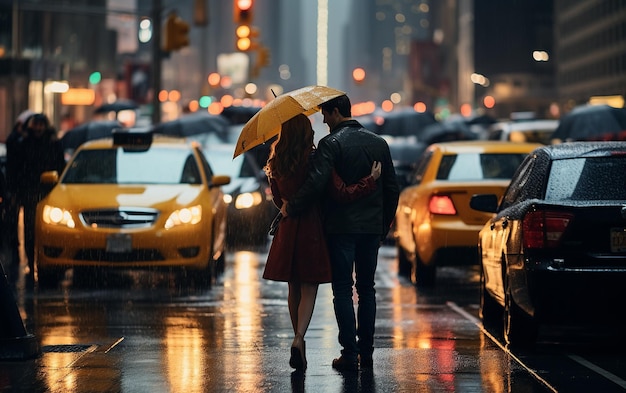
138 333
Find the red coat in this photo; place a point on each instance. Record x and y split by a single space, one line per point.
298 252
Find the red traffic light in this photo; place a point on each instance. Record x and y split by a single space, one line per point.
243 11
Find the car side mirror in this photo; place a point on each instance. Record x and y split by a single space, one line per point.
50 177
484 202
219 180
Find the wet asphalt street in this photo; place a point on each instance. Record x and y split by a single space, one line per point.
140 333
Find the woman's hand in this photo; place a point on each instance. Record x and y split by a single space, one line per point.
376 169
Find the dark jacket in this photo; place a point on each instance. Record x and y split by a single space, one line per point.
35 156
351 150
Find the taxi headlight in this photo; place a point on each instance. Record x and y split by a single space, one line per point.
248 199
58 216
188 215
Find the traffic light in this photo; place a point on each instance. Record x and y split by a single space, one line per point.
243 11
176 33
245 32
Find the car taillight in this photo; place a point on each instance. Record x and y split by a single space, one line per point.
441 204
544 229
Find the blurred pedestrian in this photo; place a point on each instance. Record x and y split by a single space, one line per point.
38 150
354 230
12 205
298 254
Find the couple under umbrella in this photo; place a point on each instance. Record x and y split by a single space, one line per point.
301 251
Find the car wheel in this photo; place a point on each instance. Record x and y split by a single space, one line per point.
405 267
49 277
490 311
425 275
520 329
197 279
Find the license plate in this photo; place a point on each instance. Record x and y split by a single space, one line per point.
618 239
119 242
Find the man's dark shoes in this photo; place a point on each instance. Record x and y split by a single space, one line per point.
366 361
344 364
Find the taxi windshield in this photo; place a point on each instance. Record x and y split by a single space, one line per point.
157 165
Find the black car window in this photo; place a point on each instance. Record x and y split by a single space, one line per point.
518 189
584 179
421 166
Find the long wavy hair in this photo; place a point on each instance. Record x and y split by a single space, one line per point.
292 148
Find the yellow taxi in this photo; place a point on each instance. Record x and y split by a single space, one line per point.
134 200
434 224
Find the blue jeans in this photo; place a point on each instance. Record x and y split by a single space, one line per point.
358 253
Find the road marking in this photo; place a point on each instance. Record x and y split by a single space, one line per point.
611 377
478 323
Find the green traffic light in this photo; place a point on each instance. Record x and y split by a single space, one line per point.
95 78
205 101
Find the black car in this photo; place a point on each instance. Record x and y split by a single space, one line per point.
250 205
554 255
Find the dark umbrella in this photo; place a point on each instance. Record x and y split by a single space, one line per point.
194 124
587 122
404 122
117 106
445 132
87 131
239 114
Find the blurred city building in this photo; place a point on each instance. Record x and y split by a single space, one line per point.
447 56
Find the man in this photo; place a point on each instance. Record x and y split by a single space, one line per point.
354 230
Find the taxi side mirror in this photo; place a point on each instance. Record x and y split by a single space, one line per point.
219 180
50 177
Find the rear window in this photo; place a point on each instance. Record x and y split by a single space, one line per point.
588 179
474 166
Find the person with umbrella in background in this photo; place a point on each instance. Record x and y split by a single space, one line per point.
37 151
12 205
298 254
354 230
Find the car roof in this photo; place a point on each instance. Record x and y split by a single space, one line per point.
578 149
483 146
157 139
527 125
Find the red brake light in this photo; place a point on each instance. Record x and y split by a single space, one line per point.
441 204
544 229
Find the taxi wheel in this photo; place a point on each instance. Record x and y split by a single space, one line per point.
49 277
404 264
425 274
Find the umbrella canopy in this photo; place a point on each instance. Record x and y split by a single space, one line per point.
446 131
587 122
266 123
117 106
404 122
87 131
239 114
194 124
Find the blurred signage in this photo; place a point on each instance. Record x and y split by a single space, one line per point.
78 97
234 65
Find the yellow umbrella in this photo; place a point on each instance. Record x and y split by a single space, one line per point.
266 123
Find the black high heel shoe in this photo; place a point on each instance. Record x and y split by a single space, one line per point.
298 356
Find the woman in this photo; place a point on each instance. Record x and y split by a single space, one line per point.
298 253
